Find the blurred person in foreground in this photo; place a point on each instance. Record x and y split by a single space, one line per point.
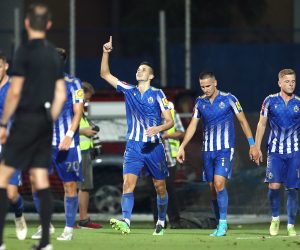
16 200
171 142
217 110
36 97
87 131
282 112
146 107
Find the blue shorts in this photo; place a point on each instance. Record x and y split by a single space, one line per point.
217 163
68 164
16 178
284 168
147 156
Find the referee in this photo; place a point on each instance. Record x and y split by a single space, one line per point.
36 96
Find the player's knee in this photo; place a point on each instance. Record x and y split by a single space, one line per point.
12 195
128 187
70 188
219 185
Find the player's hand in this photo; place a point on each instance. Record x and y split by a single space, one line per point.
65 143
260 158
152 131
107 47
3 135
180 155
254 153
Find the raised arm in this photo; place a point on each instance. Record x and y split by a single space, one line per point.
261 127
188 136
253 151
104 69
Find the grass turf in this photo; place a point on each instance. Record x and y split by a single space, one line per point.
239 237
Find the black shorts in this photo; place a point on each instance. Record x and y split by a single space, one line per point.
29 142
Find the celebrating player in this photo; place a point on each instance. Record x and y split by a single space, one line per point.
145 106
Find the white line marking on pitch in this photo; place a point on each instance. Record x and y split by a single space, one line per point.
264 237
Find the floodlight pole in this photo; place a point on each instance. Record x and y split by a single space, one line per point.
187 44
72 37
17 29
163 52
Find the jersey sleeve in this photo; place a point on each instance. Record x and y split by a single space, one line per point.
162 100
235 104
77 92
123 86
196 112
19 63
265 107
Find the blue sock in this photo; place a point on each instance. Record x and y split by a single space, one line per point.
162 206
222 198
215 208
274 198
127 205
292 205
36 202
71 210
18 207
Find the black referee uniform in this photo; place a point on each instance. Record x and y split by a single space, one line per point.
29 142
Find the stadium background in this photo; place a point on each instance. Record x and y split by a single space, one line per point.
245 42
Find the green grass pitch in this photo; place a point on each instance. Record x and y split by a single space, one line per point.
254 237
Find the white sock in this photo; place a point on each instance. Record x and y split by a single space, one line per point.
127 221
275 218
160 222
290 225
68 229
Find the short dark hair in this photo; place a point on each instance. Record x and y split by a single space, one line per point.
149 65
62 53
206 74
38 14
3 56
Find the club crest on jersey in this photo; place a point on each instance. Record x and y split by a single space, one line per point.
150 100
79 94
222 105
275 106
269 175
296 109
165 102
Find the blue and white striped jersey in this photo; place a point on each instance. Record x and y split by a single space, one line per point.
143 111
3 93
75 95
218 120
284 121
